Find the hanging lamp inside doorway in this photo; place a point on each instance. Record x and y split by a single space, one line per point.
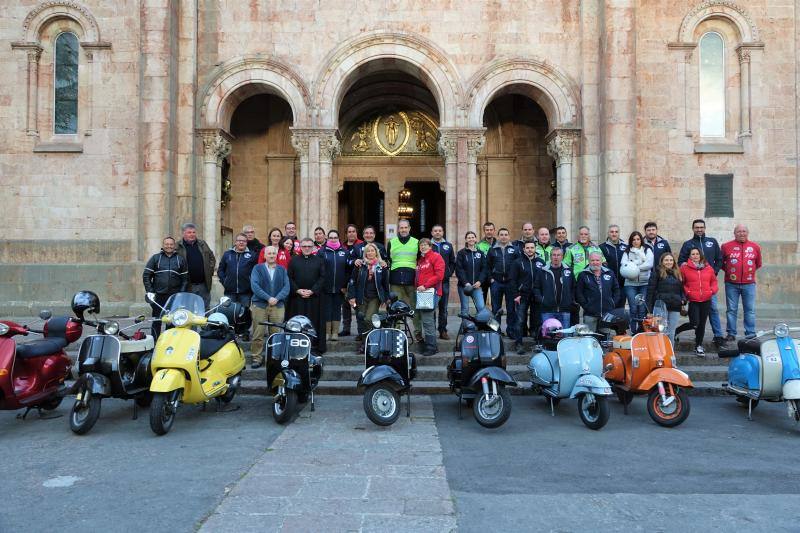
405 209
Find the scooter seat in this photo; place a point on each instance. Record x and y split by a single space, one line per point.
41 347
623 342
212 342
750 346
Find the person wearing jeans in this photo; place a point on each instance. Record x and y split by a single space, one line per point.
636 265
554 289
666 285
741 258
471 271
430 273
499 261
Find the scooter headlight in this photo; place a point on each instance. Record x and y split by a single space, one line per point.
662 327
111 327
180 318
493 324
285 363
376 321
582 329
781 330
3 329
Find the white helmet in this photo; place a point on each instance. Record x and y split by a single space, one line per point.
629 271
219 318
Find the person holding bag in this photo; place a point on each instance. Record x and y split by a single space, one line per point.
666 284
430 273
637 262
699 284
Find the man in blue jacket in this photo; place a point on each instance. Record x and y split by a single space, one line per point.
234 271
270 285
656 242
448 253
554 289
713 255
613 250
596 290
500 259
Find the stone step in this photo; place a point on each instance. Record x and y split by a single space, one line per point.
704 373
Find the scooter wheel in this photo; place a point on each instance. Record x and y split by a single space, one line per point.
284 407
161 414
382 404
593 410
495 415
83 417
672 415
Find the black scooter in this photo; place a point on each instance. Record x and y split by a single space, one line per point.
111 364
389 365
477 372
293 372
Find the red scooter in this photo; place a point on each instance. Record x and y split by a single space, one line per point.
32 374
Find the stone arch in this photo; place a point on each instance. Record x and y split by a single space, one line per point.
241 78
748 32
40 16
552 89
369 52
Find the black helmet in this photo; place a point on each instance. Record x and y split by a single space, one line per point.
399 307
84 301
301 324
234 313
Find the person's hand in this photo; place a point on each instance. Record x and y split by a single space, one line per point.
517 300
476 285
384 264
358 262
343 290
421 288
272 301
352 302
491 280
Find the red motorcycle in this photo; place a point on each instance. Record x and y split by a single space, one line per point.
32 374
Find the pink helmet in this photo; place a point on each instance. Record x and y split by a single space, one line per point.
550 324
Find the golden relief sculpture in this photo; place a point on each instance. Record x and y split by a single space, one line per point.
391 134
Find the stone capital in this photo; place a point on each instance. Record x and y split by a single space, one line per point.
216 145
449 138
329 146
33 50
561 145
743 54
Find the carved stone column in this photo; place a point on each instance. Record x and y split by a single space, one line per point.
329 148
216 147
744 91
301 141
34 55
474 141
448 148
561 147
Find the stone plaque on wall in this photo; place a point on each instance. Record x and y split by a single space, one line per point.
719 195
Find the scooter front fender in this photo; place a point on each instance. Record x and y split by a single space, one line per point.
592 384
96 384
494 373
291 379
666 375
791 390
374 374
168 380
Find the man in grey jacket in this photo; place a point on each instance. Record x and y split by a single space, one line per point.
270 285
200 261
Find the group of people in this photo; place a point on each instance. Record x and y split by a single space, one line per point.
541 275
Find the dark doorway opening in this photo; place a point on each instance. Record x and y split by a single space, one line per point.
428 203
361 203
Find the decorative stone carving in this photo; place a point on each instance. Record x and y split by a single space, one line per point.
329 147
475 144
215 146
34 54
724 8
561 145
300 143
743 54
448 146
45 11
406 133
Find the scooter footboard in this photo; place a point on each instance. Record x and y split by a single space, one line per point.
591 384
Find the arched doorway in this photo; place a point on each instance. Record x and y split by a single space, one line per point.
517 176
388 122
263 188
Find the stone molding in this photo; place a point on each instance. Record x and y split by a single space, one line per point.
748 32
561 145
332 80
329 146
561 100
43 13
216 145
242 77
448 142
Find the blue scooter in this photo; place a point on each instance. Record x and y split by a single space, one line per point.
569 364
765 368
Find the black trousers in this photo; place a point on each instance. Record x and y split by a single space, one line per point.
155 327
698 315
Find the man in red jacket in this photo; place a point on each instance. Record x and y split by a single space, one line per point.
741 258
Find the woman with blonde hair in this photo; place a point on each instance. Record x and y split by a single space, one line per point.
368 287
666 284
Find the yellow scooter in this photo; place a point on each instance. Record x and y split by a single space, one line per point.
192 366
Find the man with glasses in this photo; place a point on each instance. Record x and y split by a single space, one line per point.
234 272
307 280
713 255
253 244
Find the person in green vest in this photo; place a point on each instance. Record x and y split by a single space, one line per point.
402 251
577 256
543 246
488 241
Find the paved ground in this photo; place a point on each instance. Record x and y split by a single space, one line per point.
335 471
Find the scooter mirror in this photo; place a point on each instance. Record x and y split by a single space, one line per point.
639 299
225 301
45 314
138 319
151 297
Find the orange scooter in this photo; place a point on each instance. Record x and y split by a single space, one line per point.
646 364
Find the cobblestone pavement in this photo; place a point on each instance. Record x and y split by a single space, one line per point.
333 470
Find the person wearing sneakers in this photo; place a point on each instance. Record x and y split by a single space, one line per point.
699 284
430 273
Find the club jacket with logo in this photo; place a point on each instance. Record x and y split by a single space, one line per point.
234 270
577 256
740 261
500 259
597 297
710 248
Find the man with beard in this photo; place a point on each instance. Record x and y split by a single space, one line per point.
307 277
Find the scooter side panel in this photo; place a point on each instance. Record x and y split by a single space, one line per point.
8 350
791 389
576 355
590 383
541 369
791 370
744 372
649 348
617 372
771 369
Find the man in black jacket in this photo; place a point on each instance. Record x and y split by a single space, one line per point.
500 259
613 250
253 244
307 279
523 274
234 271
713 255
165 274
200 261
445 249
596 291
656 242
554 289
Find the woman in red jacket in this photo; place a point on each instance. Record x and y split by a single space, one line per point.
699 284
285 251
430 273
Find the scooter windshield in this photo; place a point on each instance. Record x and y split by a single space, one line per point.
186 300
660 310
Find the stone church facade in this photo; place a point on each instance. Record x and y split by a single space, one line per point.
122 120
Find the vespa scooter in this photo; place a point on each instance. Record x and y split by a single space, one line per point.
569 364
111 364
766 367
389 366
477 373
192 366
646 364
32 374
293 372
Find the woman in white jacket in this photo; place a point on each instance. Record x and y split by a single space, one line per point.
637 263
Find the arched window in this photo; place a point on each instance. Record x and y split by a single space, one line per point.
65 114
712 85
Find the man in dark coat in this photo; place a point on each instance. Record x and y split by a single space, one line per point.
307 278
165 274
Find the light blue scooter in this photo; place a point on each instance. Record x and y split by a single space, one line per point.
766 368
572 367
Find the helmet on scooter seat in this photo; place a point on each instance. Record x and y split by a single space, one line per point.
550 325
301 324
219 318
399 307
84 301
